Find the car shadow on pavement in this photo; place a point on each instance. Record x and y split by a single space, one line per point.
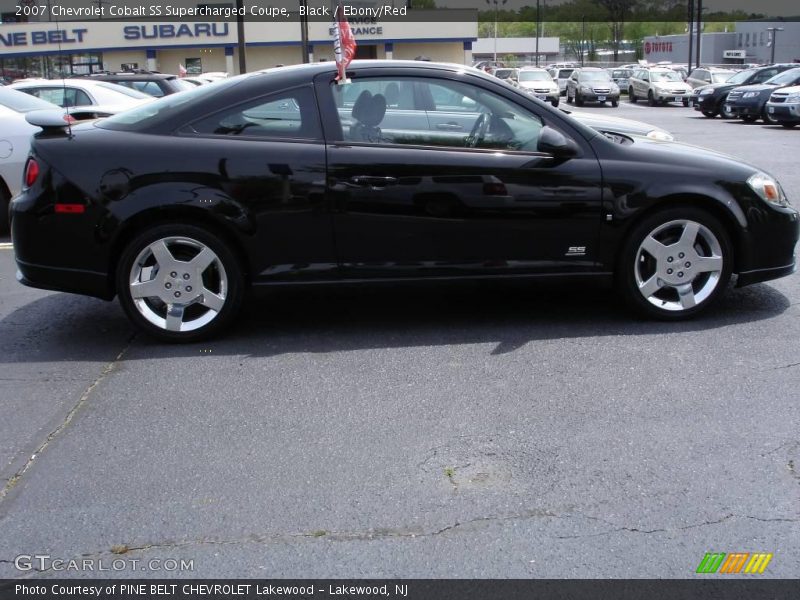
323 320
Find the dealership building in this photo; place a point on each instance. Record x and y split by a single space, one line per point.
43 48
750 43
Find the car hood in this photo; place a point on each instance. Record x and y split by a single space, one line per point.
756 87
717 86
539 84
615 124
688 158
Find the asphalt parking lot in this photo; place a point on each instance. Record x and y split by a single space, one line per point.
467 431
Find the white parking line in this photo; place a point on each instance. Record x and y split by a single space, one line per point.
5 246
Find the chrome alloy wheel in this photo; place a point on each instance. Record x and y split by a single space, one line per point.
678 265
178 284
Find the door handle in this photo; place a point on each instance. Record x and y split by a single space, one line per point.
373 181
450 126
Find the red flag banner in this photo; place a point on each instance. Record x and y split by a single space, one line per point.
344 44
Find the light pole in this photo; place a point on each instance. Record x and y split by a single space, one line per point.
773 35
496 8
538 24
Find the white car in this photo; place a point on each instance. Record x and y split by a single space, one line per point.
784 106
15 135
659 85
83 93
539 84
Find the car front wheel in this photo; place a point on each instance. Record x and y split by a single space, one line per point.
5 197
675 263
710 114
631 96
725 112
179 283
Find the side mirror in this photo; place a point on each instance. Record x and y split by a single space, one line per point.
556 144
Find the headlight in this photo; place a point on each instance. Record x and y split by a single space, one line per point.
767 189
750 94
586 88
663 136
706 92
793 99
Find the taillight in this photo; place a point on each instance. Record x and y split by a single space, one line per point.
31 172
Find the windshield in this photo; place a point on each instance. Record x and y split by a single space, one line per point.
504 73
741 76
721 76
785 78
621 73
594 76
534 76
121 89
22 102
146 114
665 76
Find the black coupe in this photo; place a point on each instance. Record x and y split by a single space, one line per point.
410 171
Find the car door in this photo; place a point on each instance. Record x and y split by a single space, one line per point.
266 156
412 198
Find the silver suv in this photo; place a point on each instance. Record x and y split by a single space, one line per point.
658 85
538 83
591 84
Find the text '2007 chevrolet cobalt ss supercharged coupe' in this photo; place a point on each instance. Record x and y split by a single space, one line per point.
411 171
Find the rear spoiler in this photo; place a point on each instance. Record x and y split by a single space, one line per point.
52 121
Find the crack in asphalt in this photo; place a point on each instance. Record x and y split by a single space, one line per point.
16 477
399 533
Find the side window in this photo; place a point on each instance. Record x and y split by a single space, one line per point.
764 75
445 113
289 115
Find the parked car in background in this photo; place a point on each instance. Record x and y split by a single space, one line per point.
83 93
659 85
613 127
784 106
560 76
620 77
710 99
507 74
538 83
705 75
15 136
152 84
294 179
590 84
749 102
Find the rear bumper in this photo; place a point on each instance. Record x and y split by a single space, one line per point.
75 281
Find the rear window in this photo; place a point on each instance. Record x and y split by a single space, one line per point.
564 73
22 103
121 89
146 115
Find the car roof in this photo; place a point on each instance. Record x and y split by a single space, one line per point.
129 75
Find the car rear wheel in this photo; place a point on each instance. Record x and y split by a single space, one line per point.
179 283
675 263
631 96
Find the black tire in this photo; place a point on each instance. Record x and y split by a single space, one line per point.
710 114
749 118
231 271
555 103
569 98
631 96
578 99
686 102
615 103
5 198
628 265
768 118
788 125
650 98
725 114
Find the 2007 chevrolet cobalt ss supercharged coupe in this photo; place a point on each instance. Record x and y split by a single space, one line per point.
412 171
